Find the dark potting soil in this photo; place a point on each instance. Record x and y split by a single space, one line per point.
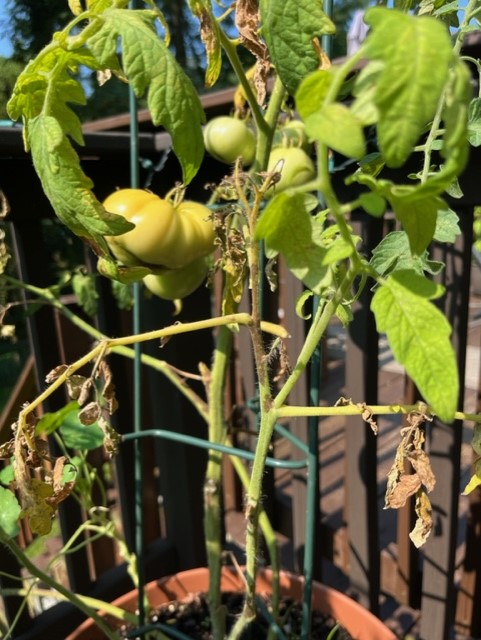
192 619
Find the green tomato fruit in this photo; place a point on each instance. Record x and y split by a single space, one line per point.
294 165
227 138
177 283
164 235
292 134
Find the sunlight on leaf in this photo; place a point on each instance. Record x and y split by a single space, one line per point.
418 334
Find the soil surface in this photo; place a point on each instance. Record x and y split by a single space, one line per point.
192 619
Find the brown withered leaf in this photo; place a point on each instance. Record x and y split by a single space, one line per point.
422 465
367 417
247 23
108 391
424 522
7 449
90 414
55 373
85 391
209 34
74 386
406 486
111 437
61 490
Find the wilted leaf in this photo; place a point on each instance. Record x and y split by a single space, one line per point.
424 522
55 373
108 391
209 33
90 414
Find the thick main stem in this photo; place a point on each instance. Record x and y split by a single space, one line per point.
213 480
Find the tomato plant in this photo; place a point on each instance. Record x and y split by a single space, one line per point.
406 90
175 284
227 138
294 165
164 235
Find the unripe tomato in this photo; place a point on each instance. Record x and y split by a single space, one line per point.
164 235
292 134
175 284
226 138
295 166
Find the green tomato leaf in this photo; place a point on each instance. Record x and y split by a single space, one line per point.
373 204
151 67
393 253
83 285
336 126
312 91
418 217
78 436
474 122
67 187
9 512
51 421
290 28
416 53
7 475
286 227
50 75
418 334
447 227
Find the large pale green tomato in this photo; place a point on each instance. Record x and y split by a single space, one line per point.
227 138
294 165
175 284
164 235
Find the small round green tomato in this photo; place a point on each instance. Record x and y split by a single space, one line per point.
294 165
164 235
292 134
177 283
227 138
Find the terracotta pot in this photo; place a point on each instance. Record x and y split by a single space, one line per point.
360 623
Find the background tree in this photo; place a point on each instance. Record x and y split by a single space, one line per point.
9 70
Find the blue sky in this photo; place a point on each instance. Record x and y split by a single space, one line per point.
5 48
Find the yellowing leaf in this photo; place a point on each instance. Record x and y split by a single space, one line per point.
475 480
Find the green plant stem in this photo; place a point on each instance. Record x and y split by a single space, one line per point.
264 138
87 605
267 531
213 480
231 52
353 409
110 343
317 329
94 603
